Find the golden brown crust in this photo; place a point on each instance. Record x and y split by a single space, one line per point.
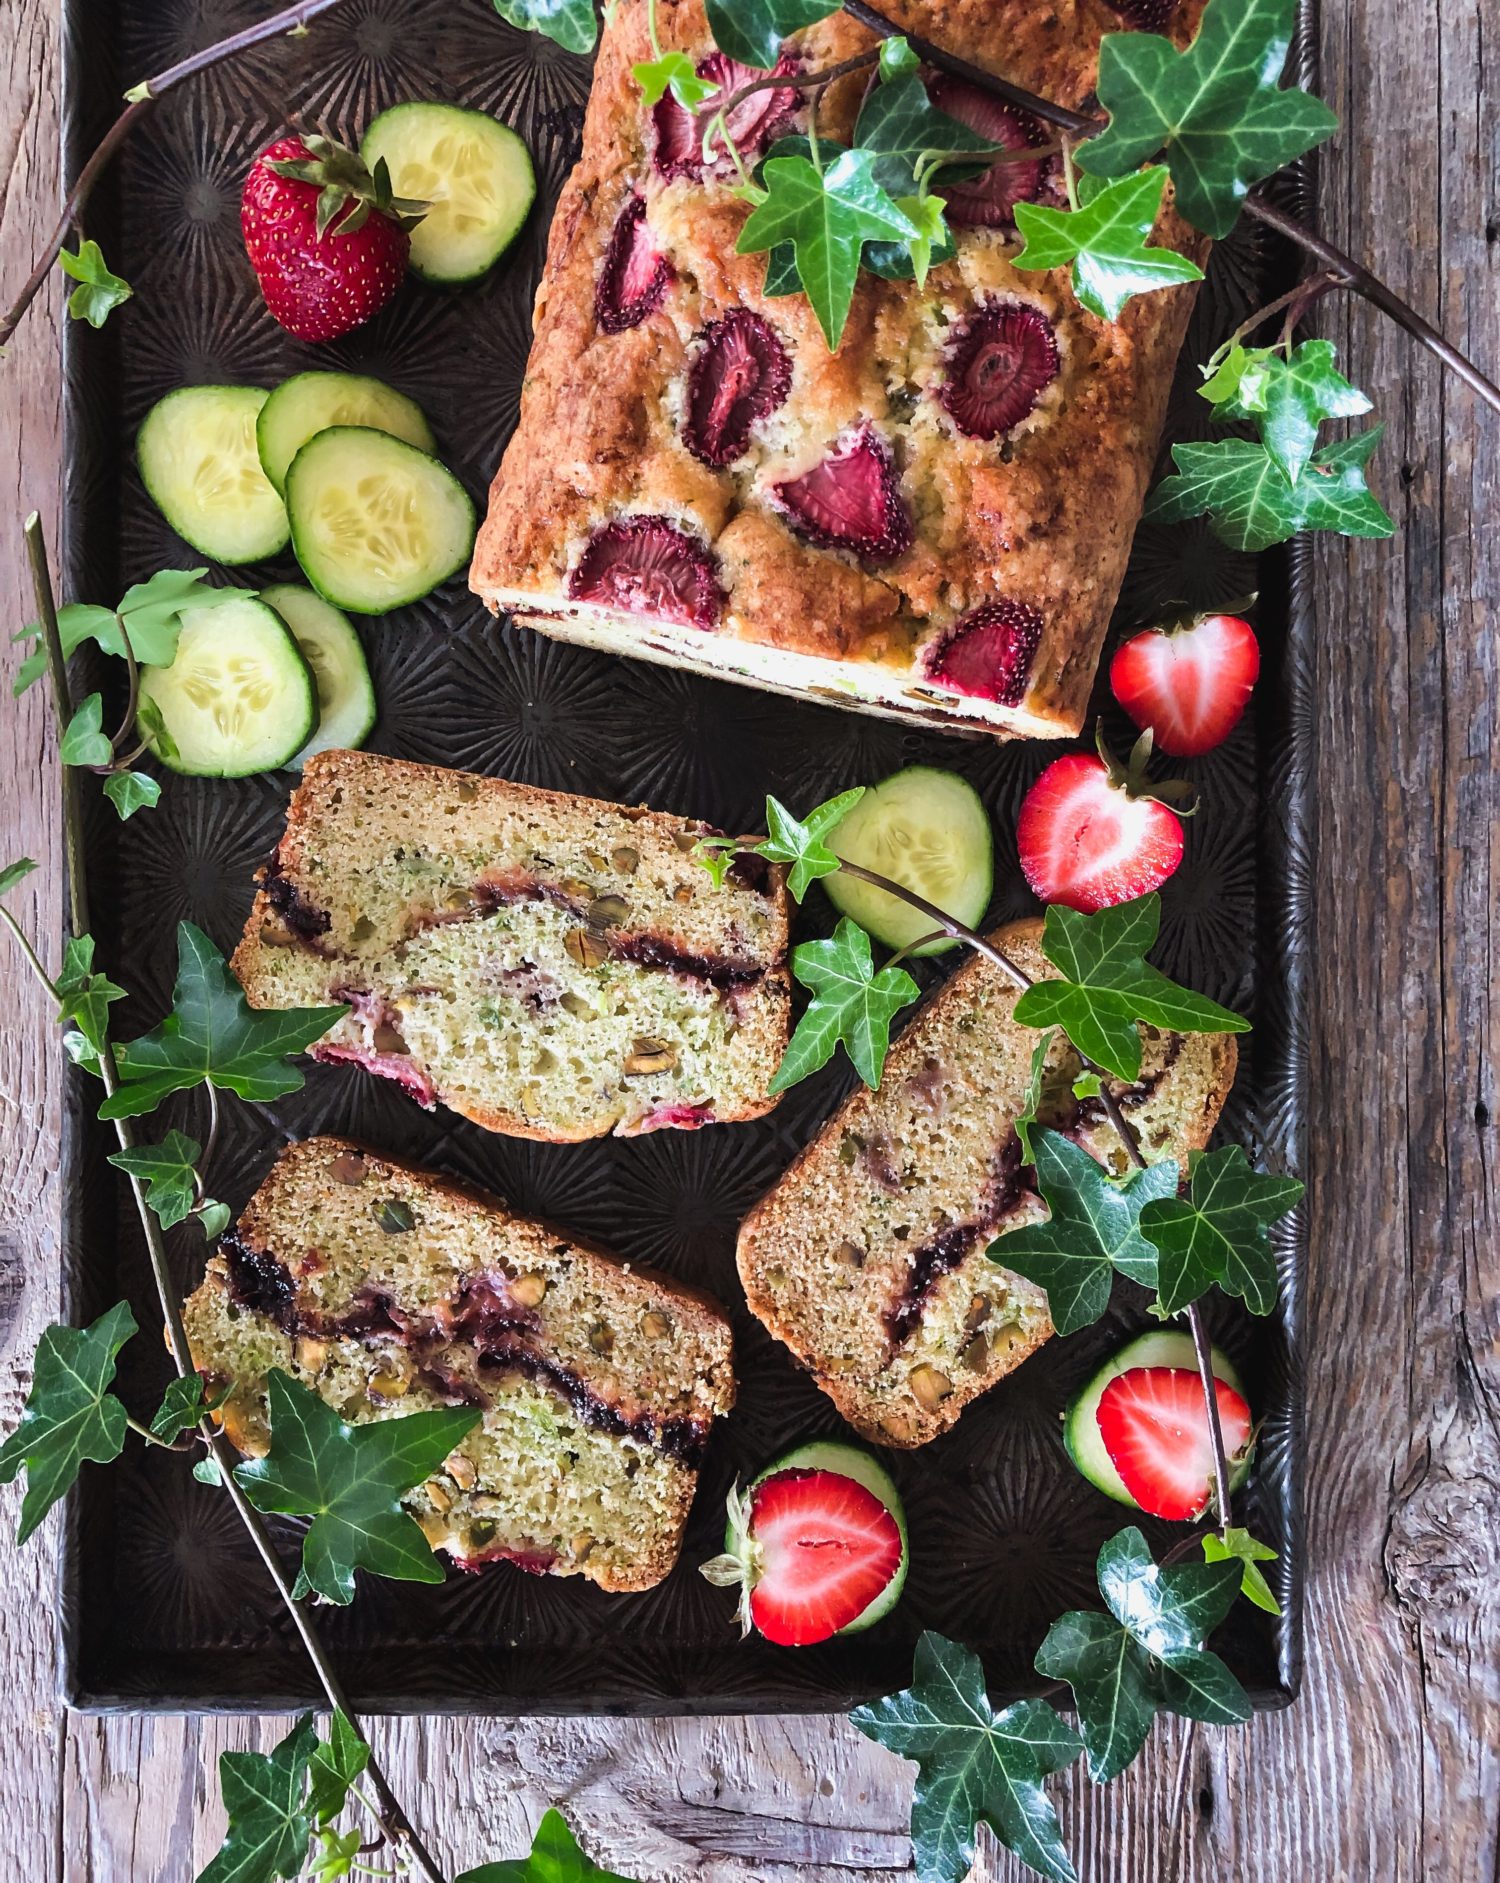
962 1045
1043 518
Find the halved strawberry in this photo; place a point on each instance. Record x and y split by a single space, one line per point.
1093 833
635 275
852 500
648 565
1154 1427
989 201
988 652
1188 680
754 125
740 374
999 363
817 1545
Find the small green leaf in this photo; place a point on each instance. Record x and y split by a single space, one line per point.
570 22
85 997
1026 1117
897 58
1251 505
212 1035
206 1471
168 1171
70 1416
349 1479
14 873
804 845
1287 398
184 1405
716 854
827 216
1247 1550
130 792
555 1858
1218 1233
270 1825
1104 240
752 30
83 743
926 213
673 71
1216 111
1087 1085
99 292
335 1854
336 1763
851 1005
974 1765
212 1218
1092 1230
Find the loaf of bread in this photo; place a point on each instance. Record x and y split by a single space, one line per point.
932 522
388 1291
549 966
868 1258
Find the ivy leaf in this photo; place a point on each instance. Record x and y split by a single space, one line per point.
1217 110
99 292
1146 1654
1288 398
803 844
1087 1085
1105 241
974 1764
206 1471
676 72
555 1858
270 1825
85 997
14 873
569 22
167 1170
149 613
1026 1118
213 1218
335 1854
349 1480
1107 987
851 1004
1238 1545
70 1415
1092 1230
184 1405
897 58
901 124
827 216
926 213
336 1763
212 1034
1251 505
83 743
130 792
752 30
1218 1232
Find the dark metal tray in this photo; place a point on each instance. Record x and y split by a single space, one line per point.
164 1605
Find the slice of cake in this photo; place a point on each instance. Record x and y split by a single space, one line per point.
549 966
868 1257
388 1291
931 522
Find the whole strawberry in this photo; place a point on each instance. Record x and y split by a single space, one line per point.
327 239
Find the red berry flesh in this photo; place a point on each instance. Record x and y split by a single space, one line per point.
989 201
645 565
1189 684
754 125
852 500
999 363
1154 1426
636 275
740 375
827 1546
1088 843
988 652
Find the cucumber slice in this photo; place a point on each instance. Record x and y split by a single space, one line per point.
346 696
476 174
849 1461
1163 1348
238 698
202 470
375 522
928 831
308 403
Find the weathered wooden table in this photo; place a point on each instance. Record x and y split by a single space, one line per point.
1388 1767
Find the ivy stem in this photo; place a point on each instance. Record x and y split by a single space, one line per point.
33 959
1349 273
1296 300
145 1432
140 99
392 1817
132 698
801 81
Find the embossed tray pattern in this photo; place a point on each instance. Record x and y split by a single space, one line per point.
163 1604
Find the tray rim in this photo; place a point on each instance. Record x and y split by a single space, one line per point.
1290 747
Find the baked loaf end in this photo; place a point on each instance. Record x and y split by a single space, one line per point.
868 1257
549 966
599 1383
932 523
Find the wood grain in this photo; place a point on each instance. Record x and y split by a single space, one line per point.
1389 1765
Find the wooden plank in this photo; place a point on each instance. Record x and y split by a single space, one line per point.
1389 1766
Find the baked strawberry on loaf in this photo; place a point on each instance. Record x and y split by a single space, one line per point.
932 522
388 1291
868 1258
549 966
